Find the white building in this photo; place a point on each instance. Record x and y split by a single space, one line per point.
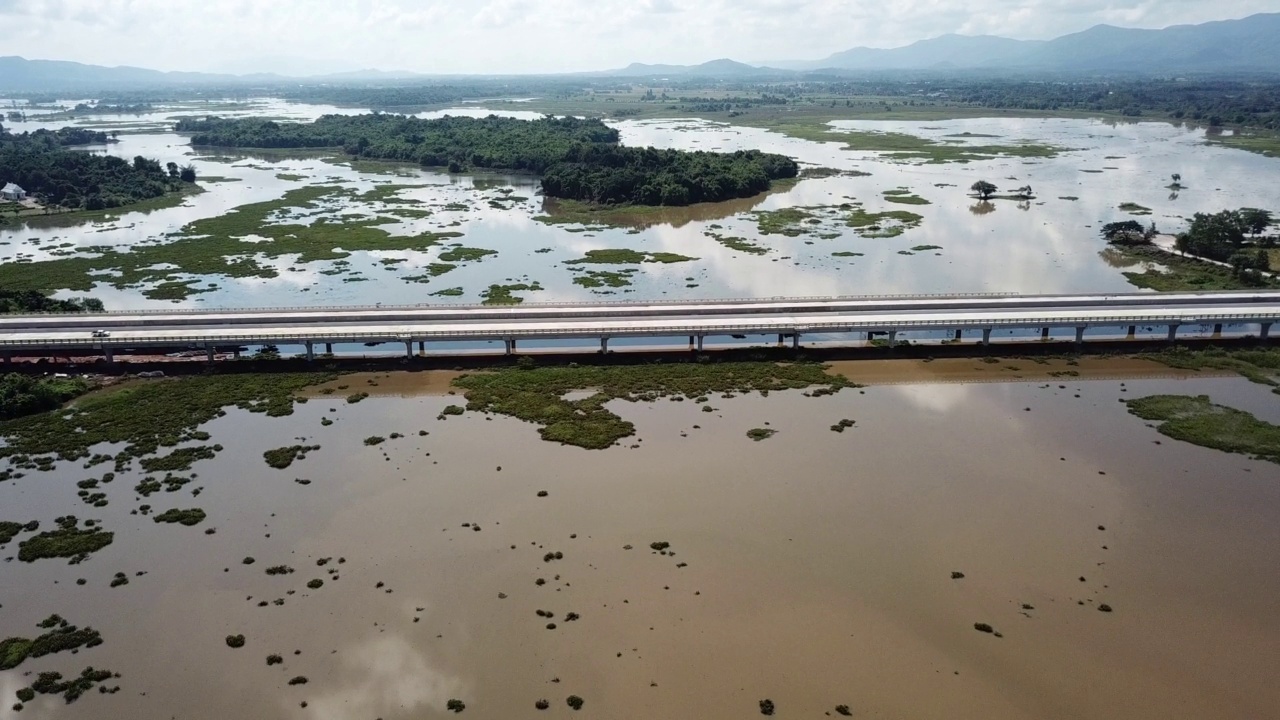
12 193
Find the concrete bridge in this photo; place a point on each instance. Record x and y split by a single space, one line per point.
149 331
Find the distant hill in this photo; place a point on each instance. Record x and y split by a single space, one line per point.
715 68
1247 45
24 75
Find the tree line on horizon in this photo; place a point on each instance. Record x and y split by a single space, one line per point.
579 159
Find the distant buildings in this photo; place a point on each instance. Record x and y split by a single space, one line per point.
12 193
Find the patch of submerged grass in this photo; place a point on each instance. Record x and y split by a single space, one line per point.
604 278
624 256
904 197
62 637
737 243
1199 421
465 254
193 516
1258 365
1180 274
502 294
537 395
225 246
901 146
758 434
281 458
68 541
146 417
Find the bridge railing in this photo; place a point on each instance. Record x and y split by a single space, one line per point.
409 334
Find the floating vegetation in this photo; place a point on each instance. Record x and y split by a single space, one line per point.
279 570
904 197
274 660
235 641
983 628
604 278
191 517
145 417
357 397
627 257
502 294
374 440
299 680
61 637
68 541
758 434
1199 421
766 707
842 425
537 395
51 683
465 254
739 244
575 702
315 584
455 705
281 458
1135 209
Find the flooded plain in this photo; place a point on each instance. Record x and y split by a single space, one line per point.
814 568
740 249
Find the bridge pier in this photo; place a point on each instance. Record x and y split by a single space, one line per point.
1133 331
893 338
1079 335
1217 329
959 334
510 344
109 355
986 336
795 341
781 339
422 347
408 349
700 339
1173 332
1044 333
1266 331
208 353
604 346
311 351
328 348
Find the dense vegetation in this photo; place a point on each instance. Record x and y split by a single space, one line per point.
579 159
1199 421
41 163
24 395
30 301
1234 237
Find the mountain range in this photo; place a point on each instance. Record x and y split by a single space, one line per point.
1226 46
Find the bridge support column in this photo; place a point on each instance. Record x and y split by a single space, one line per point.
1079 335
604 346
236 353
703 337
408 349
511 345
422 347
8 356
781 338
1044 333
959 334
893 338
311 351
109 355
208 352
328 348
795 341
691 342
1217 329
1173 332
1266 331
1133 330
986 336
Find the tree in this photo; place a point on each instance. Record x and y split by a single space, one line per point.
1177 178
983 189
172 167
1125 232
1257 221
188 173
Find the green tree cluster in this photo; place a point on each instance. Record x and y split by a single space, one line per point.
580 159
30 301
22 395
41 163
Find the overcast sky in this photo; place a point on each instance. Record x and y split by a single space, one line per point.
500 36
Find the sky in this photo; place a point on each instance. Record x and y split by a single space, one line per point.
303 37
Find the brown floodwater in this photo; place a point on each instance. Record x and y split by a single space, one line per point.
813 568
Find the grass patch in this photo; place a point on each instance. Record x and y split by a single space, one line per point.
623 256
911 148
1200 422
904 197
465 254
191 517
536 395
448 292
1261 366
68 541
222 246
604 278
502 294
737 243
1135 209
1263 143
758 434
1180 273
281 458
61 637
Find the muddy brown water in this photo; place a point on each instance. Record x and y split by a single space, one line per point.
818 563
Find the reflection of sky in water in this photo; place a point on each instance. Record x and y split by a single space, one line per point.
384 677
1049 245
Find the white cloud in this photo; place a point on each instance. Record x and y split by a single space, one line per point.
490 36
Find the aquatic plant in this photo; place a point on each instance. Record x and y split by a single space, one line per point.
235 641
